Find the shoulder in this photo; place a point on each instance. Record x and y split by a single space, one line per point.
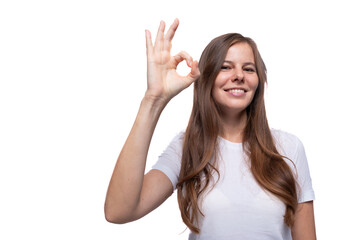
178 139
169 162
287 143
176 144
283 136
180 136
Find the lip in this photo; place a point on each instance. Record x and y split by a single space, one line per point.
235 88
236 93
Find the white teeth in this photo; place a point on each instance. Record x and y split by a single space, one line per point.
236 91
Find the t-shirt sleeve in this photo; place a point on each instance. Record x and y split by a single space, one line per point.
169 162
306 192
293 148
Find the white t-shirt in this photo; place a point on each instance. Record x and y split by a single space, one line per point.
237 207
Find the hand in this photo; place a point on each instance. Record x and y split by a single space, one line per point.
163 82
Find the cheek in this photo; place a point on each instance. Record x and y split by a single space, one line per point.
222 78
254 83
215 93
218 83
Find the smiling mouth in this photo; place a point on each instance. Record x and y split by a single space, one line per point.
235 91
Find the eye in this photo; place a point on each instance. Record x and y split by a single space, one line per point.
225 67
249 69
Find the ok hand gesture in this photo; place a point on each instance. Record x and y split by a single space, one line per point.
163 82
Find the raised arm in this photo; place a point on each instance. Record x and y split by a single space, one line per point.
132 195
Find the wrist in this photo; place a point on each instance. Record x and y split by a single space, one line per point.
155 101
153 104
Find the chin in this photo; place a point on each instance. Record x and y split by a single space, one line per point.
233 109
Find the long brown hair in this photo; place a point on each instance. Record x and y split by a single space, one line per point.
200 141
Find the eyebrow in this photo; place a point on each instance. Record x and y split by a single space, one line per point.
246 63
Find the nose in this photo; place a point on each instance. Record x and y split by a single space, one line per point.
238 75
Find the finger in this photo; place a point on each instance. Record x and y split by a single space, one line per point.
149 46
171 32
181 56
194 73
160 35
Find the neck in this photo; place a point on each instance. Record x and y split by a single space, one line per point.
233 126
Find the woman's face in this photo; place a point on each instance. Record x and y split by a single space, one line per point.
237 81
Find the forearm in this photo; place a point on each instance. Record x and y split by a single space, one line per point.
163 83
126 182
304 225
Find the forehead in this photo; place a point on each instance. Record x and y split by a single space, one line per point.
241 52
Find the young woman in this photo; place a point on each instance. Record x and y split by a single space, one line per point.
235 178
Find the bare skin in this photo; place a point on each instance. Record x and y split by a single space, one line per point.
304 225
131 194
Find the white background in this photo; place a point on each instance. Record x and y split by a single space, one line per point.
72 75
